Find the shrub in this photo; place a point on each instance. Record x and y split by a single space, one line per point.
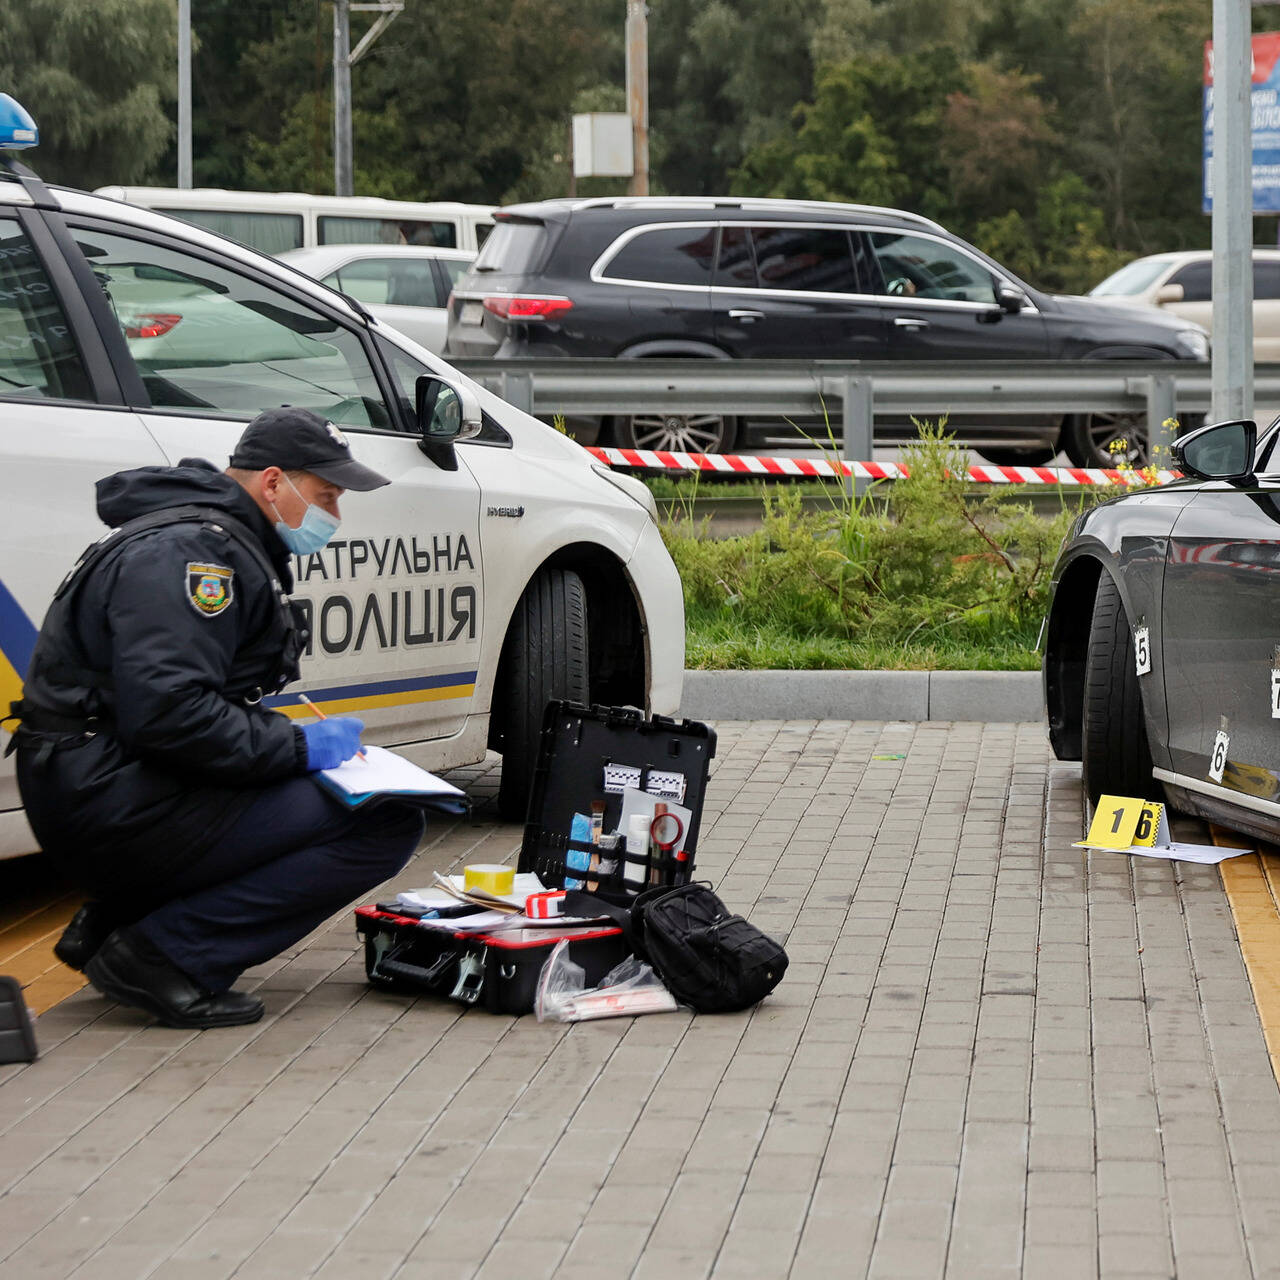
924 572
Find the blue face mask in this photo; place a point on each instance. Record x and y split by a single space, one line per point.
317 527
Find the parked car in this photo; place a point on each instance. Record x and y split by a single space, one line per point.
1182 284
405 286
782 279
1161 665
503 567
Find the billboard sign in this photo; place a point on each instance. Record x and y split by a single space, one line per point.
1266 123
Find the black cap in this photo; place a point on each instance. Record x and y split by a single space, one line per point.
299 440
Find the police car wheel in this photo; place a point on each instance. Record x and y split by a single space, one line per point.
1116 754
544 658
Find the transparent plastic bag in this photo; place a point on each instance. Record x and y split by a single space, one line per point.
631 987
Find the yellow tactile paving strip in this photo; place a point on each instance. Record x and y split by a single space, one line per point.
34 909
1252 882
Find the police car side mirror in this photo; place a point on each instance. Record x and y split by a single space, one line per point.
445 414
1220 451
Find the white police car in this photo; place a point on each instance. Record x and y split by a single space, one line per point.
502 567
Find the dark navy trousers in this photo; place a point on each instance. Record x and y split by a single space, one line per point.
291 860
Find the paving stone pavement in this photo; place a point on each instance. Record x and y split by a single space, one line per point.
993 1055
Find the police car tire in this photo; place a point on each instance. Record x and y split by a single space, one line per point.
1116 754
545 659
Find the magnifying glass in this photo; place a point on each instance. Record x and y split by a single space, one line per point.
665 831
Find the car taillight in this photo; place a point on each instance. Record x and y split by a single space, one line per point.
527 308
149 326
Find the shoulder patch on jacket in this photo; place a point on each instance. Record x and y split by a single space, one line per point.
209 588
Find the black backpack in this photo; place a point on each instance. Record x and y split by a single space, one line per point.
709 959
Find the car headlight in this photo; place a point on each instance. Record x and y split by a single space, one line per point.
635 489
1193 342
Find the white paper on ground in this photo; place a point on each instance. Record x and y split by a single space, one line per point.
1207 854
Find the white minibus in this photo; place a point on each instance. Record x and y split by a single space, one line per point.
273 221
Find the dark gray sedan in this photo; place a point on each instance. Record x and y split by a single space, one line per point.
1162 643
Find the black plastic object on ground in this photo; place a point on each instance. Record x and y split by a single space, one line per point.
17 1033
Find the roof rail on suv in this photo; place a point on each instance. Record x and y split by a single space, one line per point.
747 202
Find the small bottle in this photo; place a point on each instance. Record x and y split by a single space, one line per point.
637 846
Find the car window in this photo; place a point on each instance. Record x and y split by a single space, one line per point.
667 255
1133 277
204 337
816 259
398 282
735 267
1196 279
918 267
514 248
334 230
266 232
453 269
38 357
406 371
1266 280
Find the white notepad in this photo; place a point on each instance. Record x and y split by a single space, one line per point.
383 773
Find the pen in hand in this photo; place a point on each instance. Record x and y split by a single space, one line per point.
320 715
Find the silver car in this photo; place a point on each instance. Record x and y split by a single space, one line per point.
405 286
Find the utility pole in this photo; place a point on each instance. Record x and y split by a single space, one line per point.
342 97
1232 211
184 93
344 58
637 37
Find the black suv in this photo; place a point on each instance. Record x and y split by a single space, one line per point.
783 279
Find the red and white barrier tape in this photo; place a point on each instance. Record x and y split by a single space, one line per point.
748 464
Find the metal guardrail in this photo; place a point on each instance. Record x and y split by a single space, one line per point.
860 389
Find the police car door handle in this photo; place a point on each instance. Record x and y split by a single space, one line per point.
911 323
746 316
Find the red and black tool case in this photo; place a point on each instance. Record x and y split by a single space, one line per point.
586 754
498 971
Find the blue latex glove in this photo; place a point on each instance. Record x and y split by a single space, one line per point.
330 742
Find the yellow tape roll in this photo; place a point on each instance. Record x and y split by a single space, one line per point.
489 876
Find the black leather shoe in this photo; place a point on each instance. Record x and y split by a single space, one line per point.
131 971
87 931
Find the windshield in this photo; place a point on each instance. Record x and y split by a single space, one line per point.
1131 279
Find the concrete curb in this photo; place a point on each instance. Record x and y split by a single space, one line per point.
862 695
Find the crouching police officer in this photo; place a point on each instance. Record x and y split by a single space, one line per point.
152 774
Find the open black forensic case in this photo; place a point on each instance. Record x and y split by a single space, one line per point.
589 754
585 754
497 971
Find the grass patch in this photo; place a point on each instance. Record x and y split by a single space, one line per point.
716 644
935 579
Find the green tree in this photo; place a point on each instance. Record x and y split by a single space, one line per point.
724 78
97 76
1137 114
870 135
995 138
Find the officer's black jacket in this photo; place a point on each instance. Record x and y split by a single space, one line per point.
169 641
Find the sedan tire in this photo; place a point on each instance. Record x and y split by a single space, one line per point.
544 658
1115 751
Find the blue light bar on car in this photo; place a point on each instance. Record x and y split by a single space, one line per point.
17 129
